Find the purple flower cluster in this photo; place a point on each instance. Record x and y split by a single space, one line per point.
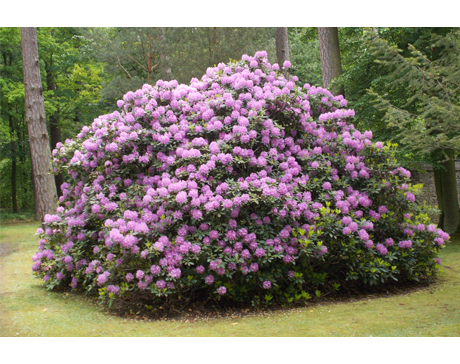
405 244
217 180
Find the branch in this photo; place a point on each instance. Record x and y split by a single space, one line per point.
155 67
123 68
132 59
118 58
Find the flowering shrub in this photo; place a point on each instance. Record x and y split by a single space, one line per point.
241 185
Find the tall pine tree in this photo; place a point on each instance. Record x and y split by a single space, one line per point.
36 123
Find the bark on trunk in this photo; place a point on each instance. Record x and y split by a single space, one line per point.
331 65
34 190
36 123
22 159
282 45
447 195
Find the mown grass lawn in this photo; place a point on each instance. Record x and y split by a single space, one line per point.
27 309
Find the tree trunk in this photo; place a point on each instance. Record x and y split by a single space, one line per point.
27 176
447 195
36 123
34 190
331 65
282 45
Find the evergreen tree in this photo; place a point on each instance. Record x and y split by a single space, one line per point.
428 122
361 72
36 123
193 50
136 56
131 57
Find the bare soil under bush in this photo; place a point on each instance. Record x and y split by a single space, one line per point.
141 307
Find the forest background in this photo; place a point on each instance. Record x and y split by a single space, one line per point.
403 83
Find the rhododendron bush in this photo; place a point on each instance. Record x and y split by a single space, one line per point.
242 184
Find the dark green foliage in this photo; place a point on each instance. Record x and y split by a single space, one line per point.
431 81
427 123
362 73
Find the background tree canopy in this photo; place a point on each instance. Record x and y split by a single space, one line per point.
134 56
400 81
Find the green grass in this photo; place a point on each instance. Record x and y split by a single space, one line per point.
27 309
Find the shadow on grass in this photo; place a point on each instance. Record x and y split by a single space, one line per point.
143 307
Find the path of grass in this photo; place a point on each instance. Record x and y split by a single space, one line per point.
29 310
